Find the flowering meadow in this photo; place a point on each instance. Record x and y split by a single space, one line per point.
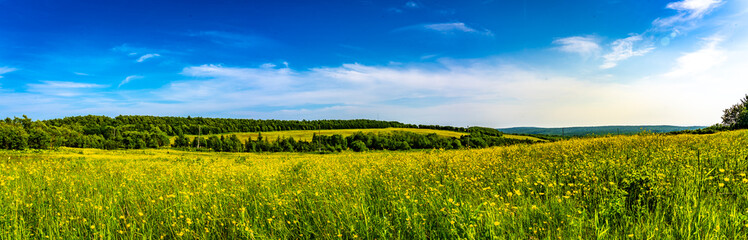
620 187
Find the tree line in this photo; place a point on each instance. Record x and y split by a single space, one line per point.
137 132
174 126
396 140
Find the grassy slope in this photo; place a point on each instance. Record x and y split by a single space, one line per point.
581 188
306 135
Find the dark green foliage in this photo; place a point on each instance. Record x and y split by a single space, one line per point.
485 131
358 146
39 139
138 132
12 136
215 143
174 126
736 117
199 142
181 141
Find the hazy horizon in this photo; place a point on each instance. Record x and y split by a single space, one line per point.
470 63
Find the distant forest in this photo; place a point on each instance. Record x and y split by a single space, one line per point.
138 132
598 130
396 140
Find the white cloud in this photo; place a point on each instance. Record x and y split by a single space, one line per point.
62 88
488 92
455 27
148 56
411 4
485 92
4 70
687 10
623 49
709 56
128 79
80 74
583 45
268 65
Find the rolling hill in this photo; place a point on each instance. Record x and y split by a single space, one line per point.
598 130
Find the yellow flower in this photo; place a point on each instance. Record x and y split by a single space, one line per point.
496 223
721 184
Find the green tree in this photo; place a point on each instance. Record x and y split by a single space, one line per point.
13 136
736 116
38 139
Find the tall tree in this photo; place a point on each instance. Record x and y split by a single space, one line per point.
737 116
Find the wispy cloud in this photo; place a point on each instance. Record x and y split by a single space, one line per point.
4 70
450 28
688 10
80 74
640 44
128 79
62 88
148 56
144 52
582 45
623 49
412 4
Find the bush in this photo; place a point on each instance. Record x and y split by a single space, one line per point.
359 146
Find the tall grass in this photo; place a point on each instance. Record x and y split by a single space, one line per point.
624 187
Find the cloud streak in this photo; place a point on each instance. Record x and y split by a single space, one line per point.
583 45
63 88
450 28
128 79
148 56
623 49
4 70
455 27
688 10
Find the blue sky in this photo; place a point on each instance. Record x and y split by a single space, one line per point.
489 63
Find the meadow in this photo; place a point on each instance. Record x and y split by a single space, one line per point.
618 187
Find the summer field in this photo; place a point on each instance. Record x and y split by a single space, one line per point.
622 187
306 135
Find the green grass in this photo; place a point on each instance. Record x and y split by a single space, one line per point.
623 187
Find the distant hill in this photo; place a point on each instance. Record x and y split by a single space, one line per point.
600 130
